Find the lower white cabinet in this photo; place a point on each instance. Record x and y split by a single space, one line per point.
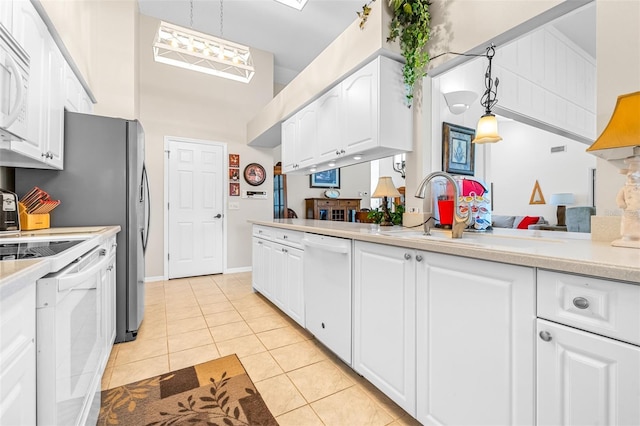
475 342
18 357
384 341
277 270
585 379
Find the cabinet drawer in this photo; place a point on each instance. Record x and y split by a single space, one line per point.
290 238
263 232
349 203
605 307
327 203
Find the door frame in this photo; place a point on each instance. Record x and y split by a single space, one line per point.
165 209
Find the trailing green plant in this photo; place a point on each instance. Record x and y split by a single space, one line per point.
410 23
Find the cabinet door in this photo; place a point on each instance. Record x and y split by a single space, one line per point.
295 294
32 34
289 131
6 18
55 112
279 275
384 320
18 357
306 135
583 378
261 276
329 138
360 109
475 350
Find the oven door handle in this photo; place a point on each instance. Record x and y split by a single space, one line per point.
17 107
78 280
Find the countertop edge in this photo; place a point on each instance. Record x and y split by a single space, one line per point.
626 273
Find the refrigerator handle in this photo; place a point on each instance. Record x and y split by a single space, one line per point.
145 196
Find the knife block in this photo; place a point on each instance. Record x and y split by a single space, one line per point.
31 222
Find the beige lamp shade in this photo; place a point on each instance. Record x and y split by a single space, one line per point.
622 133
487 130
385 188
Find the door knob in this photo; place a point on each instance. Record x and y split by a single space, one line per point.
545 335
218 216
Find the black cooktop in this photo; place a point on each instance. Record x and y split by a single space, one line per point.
34 249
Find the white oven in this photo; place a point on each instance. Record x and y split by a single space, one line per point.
14 84
70 341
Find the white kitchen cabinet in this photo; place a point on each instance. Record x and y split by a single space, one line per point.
363 118
384 319
76 98
583 378
109 296
475 342
299 139
18 357
44 144
277 269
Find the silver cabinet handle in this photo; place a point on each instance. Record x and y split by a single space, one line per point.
545 335
218 216
581 303
407 256
285 237
419 257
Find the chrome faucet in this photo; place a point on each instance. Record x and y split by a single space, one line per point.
459 222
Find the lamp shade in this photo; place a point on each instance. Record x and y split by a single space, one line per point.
487 130
562 199
385 188
622 133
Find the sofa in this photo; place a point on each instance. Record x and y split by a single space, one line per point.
517 222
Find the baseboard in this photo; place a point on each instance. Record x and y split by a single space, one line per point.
153 279
237 270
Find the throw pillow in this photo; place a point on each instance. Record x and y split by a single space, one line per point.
528 220
500 221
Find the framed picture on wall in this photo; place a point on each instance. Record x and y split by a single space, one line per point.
458 154
326 179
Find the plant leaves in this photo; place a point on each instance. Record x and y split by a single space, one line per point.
236 413
132 406
206 398
227 421
249 391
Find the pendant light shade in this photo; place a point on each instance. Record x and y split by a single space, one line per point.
193 50
296 4
487 130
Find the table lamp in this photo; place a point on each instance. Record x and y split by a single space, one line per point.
562 200
385 189
619 143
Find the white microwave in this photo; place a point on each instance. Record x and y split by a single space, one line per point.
14 84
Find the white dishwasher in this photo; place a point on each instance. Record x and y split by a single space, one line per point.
327 291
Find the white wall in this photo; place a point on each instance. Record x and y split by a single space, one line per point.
523 156
183 103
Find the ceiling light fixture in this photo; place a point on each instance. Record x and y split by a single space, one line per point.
459 101
196 51
487 128
296 4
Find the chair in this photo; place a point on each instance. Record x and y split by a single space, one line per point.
291 214
578 219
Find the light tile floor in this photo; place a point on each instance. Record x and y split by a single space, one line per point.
193 320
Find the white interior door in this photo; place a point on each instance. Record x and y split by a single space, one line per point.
196 208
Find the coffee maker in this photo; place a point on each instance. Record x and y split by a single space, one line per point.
9 217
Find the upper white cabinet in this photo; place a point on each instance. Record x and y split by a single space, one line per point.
546 77
384 320
6 12
299 139
52 88
365 116
475 345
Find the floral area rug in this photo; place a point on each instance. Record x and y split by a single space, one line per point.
217 392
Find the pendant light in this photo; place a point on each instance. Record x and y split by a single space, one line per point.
196 51
487 128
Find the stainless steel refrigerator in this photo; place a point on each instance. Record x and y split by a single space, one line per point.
104 182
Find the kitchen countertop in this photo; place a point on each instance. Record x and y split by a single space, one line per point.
14 273
559 251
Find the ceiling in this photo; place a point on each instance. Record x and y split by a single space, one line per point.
297 37
294 37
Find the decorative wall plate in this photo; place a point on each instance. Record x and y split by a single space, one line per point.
332 193
254 174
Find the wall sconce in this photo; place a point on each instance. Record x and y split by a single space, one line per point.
562 200
385 189
399 165
458 102
619 143
487 129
